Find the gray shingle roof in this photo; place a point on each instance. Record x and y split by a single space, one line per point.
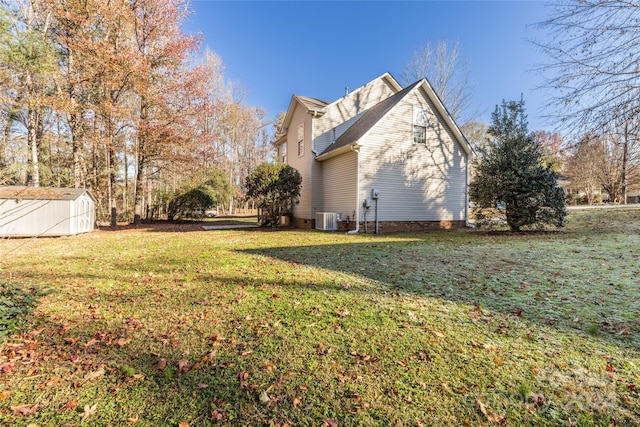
368 120
40 193
312 103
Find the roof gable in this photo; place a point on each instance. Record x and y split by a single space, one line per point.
318 106
372 116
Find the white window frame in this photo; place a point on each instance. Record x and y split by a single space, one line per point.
420 123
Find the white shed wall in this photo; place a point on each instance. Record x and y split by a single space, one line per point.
34 218
28 218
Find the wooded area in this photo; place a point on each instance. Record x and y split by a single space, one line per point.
113 96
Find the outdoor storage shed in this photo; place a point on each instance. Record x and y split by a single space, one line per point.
31 211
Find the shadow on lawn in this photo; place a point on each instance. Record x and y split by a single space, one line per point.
517 277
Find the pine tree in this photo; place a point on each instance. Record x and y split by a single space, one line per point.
510 175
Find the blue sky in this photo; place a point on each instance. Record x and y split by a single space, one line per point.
317 48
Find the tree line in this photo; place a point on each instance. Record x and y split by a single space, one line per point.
113 96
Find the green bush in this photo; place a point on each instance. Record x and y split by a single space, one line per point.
276 188
193 200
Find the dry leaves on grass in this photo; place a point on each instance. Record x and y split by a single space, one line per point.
297 401
88 411
24 409
490 416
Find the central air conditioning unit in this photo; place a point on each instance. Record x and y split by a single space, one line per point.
326 221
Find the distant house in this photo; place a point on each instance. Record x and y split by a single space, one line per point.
381 154
31 211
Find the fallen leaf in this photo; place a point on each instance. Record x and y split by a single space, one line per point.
438 334
4 394
183 424
481 407
94 374
537 399
24 409
490 416
297 401
123 341
264 397
489 347
330 422
217 415
133 420
88 411
183 366
71 405
162 363
495 418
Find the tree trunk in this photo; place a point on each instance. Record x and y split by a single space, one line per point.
625 159
33 175
138 196
138 189
76 148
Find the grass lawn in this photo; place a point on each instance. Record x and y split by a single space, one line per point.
179 327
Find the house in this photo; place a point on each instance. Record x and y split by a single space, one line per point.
382 157
34 211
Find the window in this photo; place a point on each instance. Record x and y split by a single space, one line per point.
420 121
301 140
283 153
419 134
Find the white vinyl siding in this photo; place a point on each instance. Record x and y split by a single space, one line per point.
417 182
338 117
339 185
340 114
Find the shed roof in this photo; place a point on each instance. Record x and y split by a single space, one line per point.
41 193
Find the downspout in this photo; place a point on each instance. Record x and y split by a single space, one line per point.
466 196
314 114
355 147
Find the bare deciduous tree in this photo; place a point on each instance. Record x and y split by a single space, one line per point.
594 61
449 74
